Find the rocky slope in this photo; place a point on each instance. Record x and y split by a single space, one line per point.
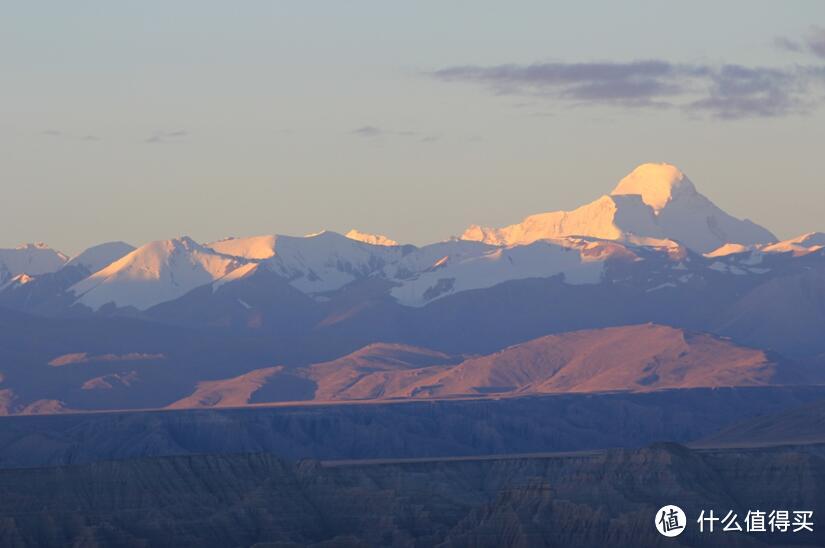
800 425
594 500
568 422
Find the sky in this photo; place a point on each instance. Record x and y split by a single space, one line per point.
149 120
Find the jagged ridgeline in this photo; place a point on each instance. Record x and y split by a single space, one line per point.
253 320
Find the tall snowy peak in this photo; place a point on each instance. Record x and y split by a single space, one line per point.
657 185
654 201
609 218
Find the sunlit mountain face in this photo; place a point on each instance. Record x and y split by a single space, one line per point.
552 304
655 209
412 274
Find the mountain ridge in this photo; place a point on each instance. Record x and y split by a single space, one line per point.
654 201
656 206
634 358
320 296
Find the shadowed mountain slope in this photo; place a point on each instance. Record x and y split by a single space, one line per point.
800 425
434 428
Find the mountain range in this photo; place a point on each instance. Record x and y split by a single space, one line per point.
497 312
637 358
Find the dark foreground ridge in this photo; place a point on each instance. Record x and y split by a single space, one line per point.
540 424
604 499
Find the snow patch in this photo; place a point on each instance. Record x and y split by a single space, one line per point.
660 286
374 239
541 259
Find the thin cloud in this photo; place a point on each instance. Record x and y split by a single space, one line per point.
372 132
813 42
726 92
741 92
639 83
787 44
816 41
368 131
167 136
58 134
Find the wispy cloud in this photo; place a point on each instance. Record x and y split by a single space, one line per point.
812 42
787 44
167 136
368 131
740 92
726 92
372 132
816 42
59 134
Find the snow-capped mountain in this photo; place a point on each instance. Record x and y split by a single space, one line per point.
327 261
99 256
45 293
29 259
654 218
316 263
438 270
156 272
432 256
177 319
655 201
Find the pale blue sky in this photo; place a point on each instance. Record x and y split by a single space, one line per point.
148 120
